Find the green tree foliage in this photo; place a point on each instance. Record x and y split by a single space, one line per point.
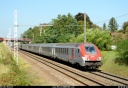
80 17
94 26
113 26
122 49
125 25
101 38
64 30
116 39
104 26
61 31
126 30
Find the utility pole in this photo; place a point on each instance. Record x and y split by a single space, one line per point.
33 37
84 27
15 38
26 38
41 26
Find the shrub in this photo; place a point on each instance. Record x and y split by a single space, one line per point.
122 49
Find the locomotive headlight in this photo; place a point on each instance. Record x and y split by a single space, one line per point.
86 59
99 58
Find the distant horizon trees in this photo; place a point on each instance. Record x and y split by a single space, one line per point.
104 26
113 26
125 27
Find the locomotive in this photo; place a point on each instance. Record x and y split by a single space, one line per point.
86 55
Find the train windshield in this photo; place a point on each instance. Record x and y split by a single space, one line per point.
90 49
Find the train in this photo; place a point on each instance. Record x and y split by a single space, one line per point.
85 55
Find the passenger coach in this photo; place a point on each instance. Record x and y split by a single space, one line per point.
83 54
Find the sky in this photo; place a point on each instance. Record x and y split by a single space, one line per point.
34 12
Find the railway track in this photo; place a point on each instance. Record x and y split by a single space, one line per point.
118 79
87 78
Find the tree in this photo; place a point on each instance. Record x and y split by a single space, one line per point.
113 26
80 17
61 31
125 25
104 26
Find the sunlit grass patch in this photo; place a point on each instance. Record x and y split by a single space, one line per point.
12 74
109 65
3 69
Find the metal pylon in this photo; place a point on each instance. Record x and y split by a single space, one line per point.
15 38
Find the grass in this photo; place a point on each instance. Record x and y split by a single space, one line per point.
13 75
109 65
23 75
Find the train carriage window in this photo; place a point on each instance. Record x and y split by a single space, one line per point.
56 50
63 50
67 50
90 49
59 51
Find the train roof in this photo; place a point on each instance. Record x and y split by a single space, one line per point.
67 44
58 44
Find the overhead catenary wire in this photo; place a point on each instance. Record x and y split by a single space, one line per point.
114 17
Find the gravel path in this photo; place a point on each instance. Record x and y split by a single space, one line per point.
49 75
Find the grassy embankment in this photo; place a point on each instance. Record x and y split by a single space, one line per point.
109 65
13 75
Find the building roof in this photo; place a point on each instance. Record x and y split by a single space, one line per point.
20 39
1 39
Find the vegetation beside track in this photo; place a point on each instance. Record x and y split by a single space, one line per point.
110 65
13 75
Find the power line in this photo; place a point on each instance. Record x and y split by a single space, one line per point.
109 19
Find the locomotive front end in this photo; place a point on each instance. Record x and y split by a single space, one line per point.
91 56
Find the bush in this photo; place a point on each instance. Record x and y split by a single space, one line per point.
101 38
122 49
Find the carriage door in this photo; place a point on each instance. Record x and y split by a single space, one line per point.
77 54
72 53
